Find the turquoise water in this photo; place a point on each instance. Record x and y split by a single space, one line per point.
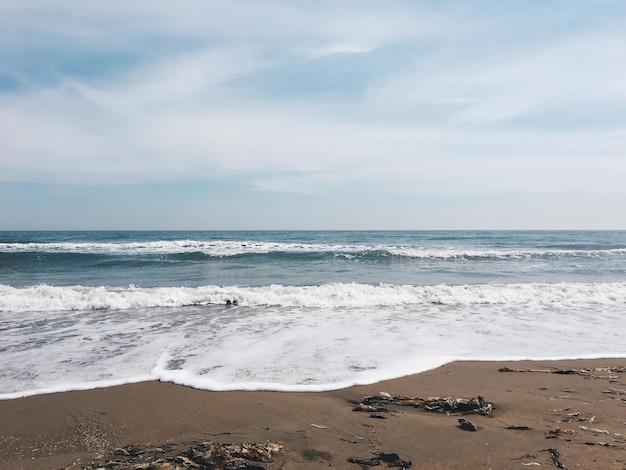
308 258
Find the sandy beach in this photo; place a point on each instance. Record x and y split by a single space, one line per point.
538 418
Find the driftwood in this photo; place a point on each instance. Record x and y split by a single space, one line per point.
595 430
446 405
603 444
196 455
589 372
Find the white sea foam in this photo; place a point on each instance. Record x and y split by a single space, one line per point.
292 338
44 298
218 248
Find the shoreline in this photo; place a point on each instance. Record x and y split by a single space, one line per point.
582 416
280 388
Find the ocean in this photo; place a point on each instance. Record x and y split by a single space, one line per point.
298 310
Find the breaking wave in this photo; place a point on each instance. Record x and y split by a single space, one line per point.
47 298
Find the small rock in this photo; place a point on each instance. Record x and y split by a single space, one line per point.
466 425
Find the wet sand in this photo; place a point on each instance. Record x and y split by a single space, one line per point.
539 420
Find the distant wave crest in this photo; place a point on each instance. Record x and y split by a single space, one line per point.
222 248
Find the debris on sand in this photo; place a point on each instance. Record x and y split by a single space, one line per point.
554 457
467 425
595 430
591 372
557 431
446 405
519 427
196 455
391 459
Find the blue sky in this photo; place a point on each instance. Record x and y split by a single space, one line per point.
313 115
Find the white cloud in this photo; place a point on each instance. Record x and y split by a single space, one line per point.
166 130
487 89
174 80
339 48
180 112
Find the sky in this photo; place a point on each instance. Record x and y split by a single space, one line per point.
356 114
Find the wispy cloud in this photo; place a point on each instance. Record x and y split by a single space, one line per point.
431 98
490 89
340 48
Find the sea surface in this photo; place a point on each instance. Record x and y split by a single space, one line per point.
298 310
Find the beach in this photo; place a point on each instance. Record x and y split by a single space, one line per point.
575 418
250 350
